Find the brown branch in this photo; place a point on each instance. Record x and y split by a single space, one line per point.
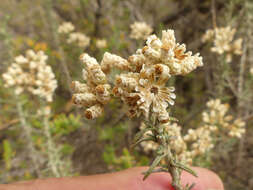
213 11
98 15
9 124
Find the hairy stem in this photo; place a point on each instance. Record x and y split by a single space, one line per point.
27 130
52 153
174 171
172 165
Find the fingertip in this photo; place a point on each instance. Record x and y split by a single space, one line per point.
206 179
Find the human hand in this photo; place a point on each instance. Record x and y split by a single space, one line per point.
130 179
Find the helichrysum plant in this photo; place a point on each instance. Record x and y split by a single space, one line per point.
142 87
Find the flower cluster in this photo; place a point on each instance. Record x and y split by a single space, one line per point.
224 43
217 120
95 92
199 142
142 87
78 38
140 30
66 28
101 43
31 73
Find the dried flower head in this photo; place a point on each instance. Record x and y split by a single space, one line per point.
79 39
110 61
140 30
144 89
31 73
66 28
143 93
168 53
224 43
95 92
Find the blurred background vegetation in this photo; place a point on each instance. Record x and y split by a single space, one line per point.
90 147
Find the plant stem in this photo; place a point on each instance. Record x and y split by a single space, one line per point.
52 153
27 129
174 171
172 166
213 11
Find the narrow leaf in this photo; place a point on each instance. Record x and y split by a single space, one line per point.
183 167
141 133
153 165
142 140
